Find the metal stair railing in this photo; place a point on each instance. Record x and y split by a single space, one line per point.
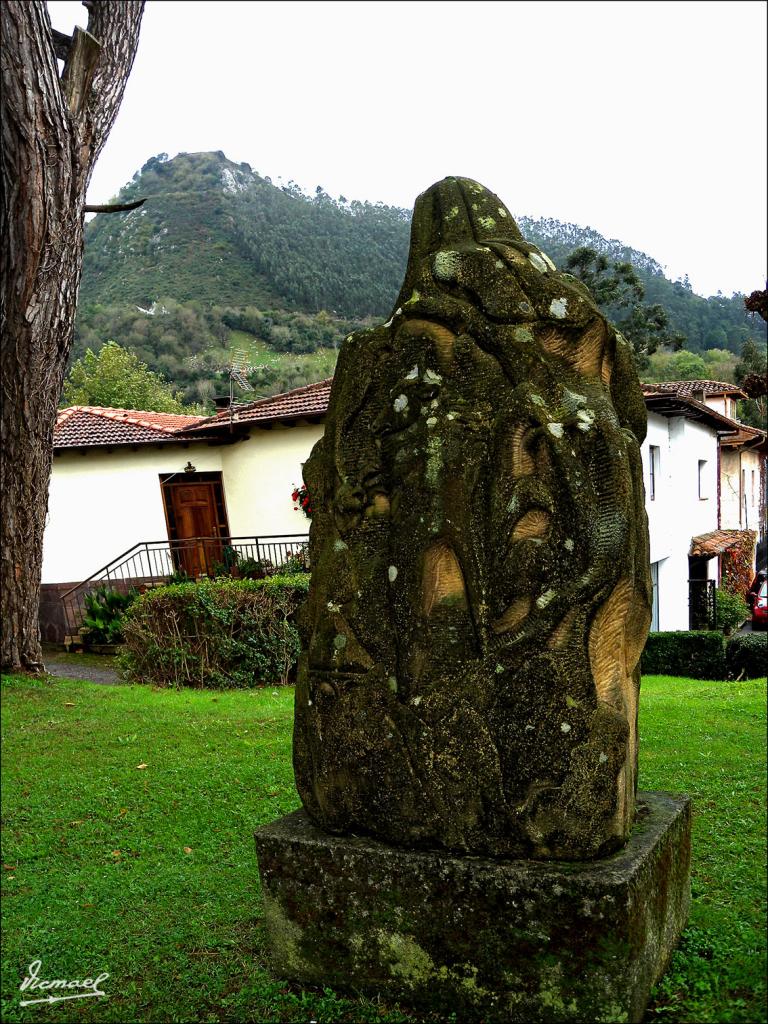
151 563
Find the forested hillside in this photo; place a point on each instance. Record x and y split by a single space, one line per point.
220 259
717 322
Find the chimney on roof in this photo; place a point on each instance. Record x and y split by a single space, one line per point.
221 402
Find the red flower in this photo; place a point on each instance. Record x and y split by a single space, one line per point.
300 495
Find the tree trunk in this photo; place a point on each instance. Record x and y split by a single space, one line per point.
53 129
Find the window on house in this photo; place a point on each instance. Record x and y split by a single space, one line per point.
655 597
654 453
752 501
743 517
703 495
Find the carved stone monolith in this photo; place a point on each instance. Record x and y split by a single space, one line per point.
480 588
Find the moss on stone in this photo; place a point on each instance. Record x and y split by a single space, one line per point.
408 962
285 937
490 940
495 419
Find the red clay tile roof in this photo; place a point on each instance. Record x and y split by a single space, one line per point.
308 401
689 388
90 426
716 542
80 426
740 435
669 403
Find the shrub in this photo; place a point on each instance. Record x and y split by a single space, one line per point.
731 610
104 611
295 562
216 633
295 583
747 655
229 559
254 569
179 576
698 654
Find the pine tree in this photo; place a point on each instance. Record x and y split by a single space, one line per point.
53 129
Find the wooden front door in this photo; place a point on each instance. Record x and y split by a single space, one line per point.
197 526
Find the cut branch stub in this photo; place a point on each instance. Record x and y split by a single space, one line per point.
82 58
114 207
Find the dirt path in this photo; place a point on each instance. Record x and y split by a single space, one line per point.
68 668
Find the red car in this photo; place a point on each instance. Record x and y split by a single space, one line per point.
760 577
760 607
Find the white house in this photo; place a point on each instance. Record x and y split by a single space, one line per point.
124 478
743 484
681 464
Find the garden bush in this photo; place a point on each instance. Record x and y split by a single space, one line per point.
731 610
104 609
214 633
697 654
296 561
747 655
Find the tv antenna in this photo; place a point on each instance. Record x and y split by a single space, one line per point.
237 370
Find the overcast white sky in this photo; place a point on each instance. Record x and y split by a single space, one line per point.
643 120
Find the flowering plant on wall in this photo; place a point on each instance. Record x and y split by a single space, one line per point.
736 565
301 501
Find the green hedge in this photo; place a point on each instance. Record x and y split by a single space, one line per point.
698 654
214 633
747 655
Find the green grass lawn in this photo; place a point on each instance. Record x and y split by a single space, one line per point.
128 816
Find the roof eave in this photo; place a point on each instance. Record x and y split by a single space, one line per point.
675 405
167 439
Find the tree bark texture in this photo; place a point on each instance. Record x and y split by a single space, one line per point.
53 129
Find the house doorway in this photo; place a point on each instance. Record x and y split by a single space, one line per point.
701 594
197 520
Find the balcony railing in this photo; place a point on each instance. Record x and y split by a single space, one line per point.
153 563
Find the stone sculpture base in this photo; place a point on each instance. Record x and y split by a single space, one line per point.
501 940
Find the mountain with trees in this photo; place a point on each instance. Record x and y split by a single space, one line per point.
221 259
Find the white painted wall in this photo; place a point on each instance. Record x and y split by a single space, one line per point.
723 404
101 504
678 513
259 475
734 515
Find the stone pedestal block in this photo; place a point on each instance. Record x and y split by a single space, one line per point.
497 940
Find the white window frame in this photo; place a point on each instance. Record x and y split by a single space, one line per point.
654 597
654 466
703 496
